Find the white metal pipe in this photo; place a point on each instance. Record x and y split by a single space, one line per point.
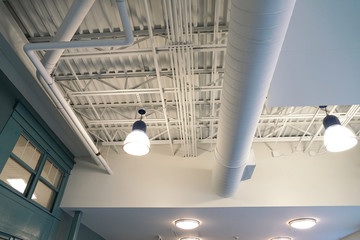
178 110
158 76
66 110
49 84
257 32
66 31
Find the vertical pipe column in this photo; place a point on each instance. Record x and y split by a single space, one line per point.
75 226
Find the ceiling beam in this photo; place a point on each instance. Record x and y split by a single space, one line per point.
255 140
150 73
136 104
138 51
138 91
137 33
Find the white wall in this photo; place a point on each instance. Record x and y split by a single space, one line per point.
160 180
354 236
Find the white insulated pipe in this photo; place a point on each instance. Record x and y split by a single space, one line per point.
51 59
76 15
256 33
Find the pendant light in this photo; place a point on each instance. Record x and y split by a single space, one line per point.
337 138
137 143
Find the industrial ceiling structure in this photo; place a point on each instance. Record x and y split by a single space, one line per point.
175 71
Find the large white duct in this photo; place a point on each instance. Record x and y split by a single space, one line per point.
256 33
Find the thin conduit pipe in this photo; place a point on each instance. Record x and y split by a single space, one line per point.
194 97
176 98
158 77
181 100
172 68
185 101
55 94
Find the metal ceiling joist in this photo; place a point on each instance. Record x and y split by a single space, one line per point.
138 33
130 74
176 66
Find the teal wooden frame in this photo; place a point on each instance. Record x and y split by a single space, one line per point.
20 209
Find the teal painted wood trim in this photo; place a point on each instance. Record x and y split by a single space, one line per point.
27 167
8 139
36 177
42 142
75 226
18 197
60 153
57 211
23 219
7 98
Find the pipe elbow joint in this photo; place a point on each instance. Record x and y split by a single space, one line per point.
130 39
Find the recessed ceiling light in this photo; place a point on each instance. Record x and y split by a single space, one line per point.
189 238
281 238
187 223
302 223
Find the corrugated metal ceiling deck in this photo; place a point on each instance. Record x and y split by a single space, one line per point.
107 86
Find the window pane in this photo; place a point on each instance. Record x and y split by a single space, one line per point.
52 174
15 175
26 151
20 146
44 195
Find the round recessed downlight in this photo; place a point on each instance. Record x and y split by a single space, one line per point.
281 238
302 223
189 238
187 224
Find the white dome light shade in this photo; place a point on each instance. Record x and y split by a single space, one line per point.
189 238
302 223
137 143
338 138
281 238
187 224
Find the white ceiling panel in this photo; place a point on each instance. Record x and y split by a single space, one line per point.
251 223
320 59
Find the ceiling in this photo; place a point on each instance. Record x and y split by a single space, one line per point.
252 223
180 88
107 86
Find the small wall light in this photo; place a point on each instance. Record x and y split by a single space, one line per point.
137 143
187 224
302 223
337 138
